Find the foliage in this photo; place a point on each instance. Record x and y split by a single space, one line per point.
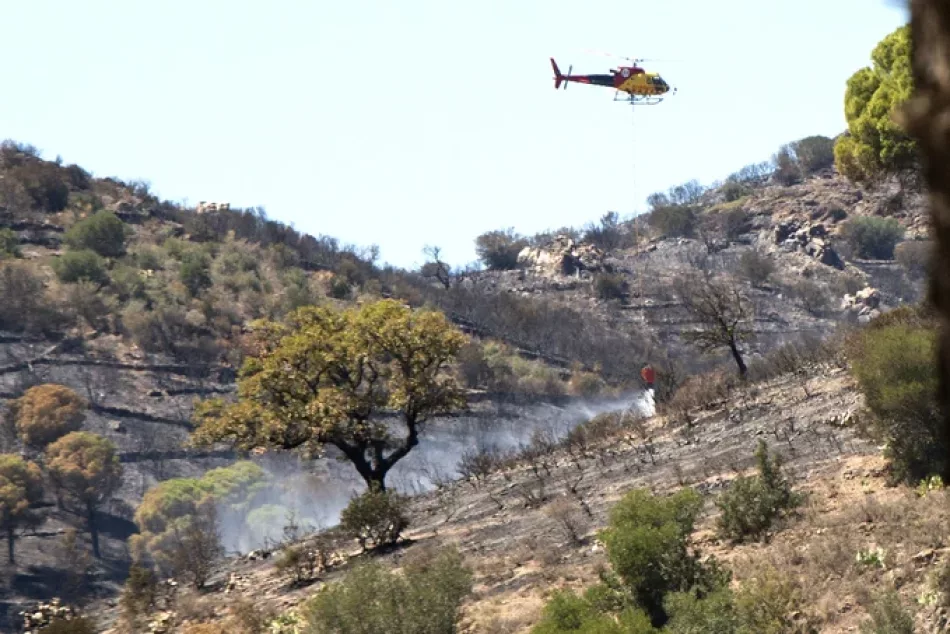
21 486
9 244
873 237
86 468
787 171
894 366
376 516
647 545
814 153
42 181
674 220
425 599
81 625
195 272
103 232
888 616
26 305
348 366
757 267
875 144
915 257
46 413
567 612
87 265
499 249
193 546
139 594
695 613
750 506
168 510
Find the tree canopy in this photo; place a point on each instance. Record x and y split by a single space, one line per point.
21 485
341 377
875 144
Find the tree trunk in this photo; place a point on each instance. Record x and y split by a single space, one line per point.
11 537
927 118
740 362
93 530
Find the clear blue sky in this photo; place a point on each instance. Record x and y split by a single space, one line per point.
423 121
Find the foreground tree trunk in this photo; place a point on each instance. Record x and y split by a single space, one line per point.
740 362
927 119
11 537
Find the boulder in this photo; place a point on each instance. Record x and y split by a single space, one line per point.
865 304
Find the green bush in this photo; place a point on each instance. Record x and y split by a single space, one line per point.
873 237
674 221
692 613
752 504
888 616
567 612
102 232
499 250
195 272
894 364
733 190
74 266
814 153
425 599
377 516
43 183
647 545
9 244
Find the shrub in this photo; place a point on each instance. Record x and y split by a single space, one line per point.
609 286
425 599
674 221
734 190
873 237
300 562
735 222
81 625
566 612
499 250
787 171
195 272
647 545
914 256
895 369
814 153
44 185
888 616
712 613
46 413
74 266
473 366
26 306
9 244
340 288
752 504
139 594
770 602
377 516
103 232
812 296
757 267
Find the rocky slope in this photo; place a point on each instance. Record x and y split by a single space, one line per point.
143 345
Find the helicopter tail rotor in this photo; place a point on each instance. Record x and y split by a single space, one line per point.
560 78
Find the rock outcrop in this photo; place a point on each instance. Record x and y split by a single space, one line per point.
810 238
865 304
561 256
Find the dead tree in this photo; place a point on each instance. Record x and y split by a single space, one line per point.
926 117
722 311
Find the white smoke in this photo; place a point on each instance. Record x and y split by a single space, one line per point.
318 491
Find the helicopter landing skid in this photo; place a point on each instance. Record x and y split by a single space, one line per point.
638 100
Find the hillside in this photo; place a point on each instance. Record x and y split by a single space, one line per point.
142 317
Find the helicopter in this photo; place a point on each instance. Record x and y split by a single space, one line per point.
632 83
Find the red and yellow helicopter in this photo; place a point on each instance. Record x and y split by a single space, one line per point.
633 84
